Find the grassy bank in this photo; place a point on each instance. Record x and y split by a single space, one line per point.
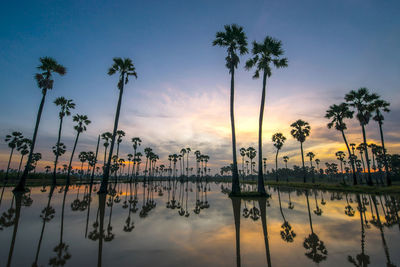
394 189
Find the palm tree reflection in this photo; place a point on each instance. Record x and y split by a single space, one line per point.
316 250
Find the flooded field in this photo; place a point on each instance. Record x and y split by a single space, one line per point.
196 224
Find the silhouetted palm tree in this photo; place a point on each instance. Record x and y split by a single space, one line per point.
265 55
23 148
380 106
13 141
82 121
300 131
136 143
48 67
337 114
65 106
311 156
235 40
125 68
278 139
362 101
106 137
187 161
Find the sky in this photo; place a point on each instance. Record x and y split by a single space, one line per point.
181 95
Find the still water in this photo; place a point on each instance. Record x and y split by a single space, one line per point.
167 224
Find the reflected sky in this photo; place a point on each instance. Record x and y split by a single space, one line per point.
164 238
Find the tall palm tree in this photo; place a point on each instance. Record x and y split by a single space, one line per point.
301 130
337 114
265 54
82 121
362 101
278 139
380 106
235 40
13 141
65 106
125 68
47 67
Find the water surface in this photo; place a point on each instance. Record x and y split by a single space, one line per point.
196 225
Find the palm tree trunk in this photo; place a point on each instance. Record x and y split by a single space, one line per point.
369 181
57 148
235 175
21 184
105 159
276 164
70 160
20 164
302 160
261 187
351 159
104 183
388 178
94 166
8 166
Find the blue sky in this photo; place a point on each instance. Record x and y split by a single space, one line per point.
181 95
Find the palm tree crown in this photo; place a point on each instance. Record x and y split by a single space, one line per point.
234 39
264 54
337 113
125 68
301 130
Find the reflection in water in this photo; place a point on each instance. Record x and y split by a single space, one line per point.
176 222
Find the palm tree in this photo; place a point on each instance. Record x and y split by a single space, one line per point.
83 157
264 54
317 161
301 130
48 67
136 143
340 155
82 121
362 101
183 153
251 153
65 106
285 159
235 40
23 148
125 68
337 114
130 157
187 161
278 139
242 152
13 141
380 106
311 156
106 137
